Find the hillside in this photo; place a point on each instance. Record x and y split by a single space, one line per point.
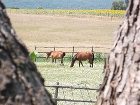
60 4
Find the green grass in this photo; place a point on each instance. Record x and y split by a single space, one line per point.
66 75
76 76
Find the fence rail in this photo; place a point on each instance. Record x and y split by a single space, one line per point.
58 87
70 50
70 47
70 87
75 100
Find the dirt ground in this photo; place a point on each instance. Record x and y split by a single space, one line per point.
48 30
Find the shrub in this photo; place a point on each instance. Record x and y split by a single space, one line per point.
98 57
39 8
33 56
14 8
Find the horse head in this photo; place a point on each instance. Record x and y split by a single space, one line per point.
73 61
64 54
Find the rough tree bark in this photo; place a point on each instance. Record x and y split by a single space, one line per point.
20 82
121 85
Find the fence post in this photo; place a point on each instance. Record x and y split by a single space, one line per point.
54 48
35 47
92 49
35 50
56 93
72 51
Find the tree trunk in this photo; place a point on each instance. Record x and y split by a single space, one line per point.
20 82
121 85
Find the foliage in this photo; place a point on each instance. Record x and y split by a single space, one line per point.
126 2
99 57
40 8
118 5
33 56
13 7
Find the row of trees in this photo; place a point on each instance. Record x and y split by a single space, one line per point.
116 5
119 5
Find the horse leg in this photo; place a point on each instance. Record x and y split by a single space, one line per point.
55 60
52 60
62 61
73 61
91 63
81 63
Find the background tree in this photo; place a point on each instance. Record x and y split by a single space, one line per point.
121 85
118 5
126 2
20 82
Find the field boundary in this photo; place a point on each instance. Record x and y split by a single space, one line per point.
57 87
72 48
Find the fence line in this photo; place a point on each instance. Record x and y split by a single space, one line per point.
71 53
65 52
57 87
75 100
73 48
71 87
70 47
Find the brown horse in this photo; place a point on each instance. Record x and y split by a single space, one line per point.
83 56
56 55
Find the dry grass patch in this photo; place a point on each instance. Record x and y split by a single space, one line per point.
47 30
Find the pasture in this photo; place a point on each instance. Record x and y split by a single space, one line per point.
54 72
63 30
75 76
72 76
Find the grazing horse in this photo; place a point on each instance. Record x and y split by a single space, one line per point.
83 56
56 55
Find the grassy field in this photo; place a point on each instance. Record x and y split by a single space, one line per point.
49 30
75 76
52 30
79 77
66 75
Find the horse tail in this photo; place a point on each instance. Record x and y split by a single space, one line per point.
92 56
73 60
48 54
